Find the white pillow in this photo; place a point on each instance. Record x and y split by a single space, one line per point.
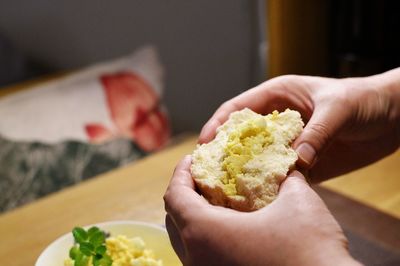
85 107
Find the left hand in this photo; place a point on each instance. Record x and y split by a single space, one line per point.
295 229
350 122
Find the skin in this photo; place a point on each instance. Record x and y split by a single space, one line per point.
349 123
295 229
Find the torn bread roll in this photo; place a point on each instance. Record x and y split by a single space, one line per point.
250 156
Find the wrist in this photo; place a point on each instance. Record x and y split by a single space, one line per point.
388 84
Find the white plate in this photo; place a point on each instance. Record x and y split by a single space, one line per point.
155 237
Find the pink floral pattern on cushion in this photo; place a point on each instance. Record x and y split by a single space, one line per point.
98 133
135 111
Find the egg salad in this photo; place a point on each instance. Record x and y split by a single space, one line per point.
93 247
249 140
126 251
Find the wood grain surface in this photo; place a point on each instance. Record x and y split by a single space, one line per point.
377 185
135 192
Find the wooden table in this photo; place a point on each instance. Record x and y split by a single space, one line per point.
133 192
377 185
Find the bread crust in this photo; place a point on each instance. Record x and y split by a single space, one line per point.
216 196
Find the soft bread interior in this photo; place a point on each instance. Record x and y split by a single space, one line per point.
248 159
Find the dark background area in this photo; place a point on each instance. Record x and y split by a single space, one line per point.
365 37
335 38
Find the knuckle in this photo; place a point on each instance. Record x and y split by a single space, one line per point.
321 130
287 78
167 197
288 83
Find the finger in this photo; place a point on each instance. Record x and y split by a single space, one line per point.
276 94
296 190
255 99
182 175
293 190
181 199
175 238
294 182
208 131
323 127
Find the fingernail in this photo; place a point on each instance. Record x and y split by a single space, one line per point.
306 153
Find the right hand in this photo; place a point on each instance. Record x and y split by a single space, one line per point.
350 122
295 229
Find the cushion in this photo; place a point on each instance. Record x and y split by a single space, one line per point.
89 122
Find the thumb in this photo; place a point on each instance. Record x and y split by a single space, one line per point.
294 182
322 128
296 189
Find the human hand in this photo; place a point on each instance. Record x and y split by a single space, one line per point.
350 122
295 229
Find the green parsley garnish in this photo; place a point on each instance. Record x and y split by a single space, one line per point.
89 247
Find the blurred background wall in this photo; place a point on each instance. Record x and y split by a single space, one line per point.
210 49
